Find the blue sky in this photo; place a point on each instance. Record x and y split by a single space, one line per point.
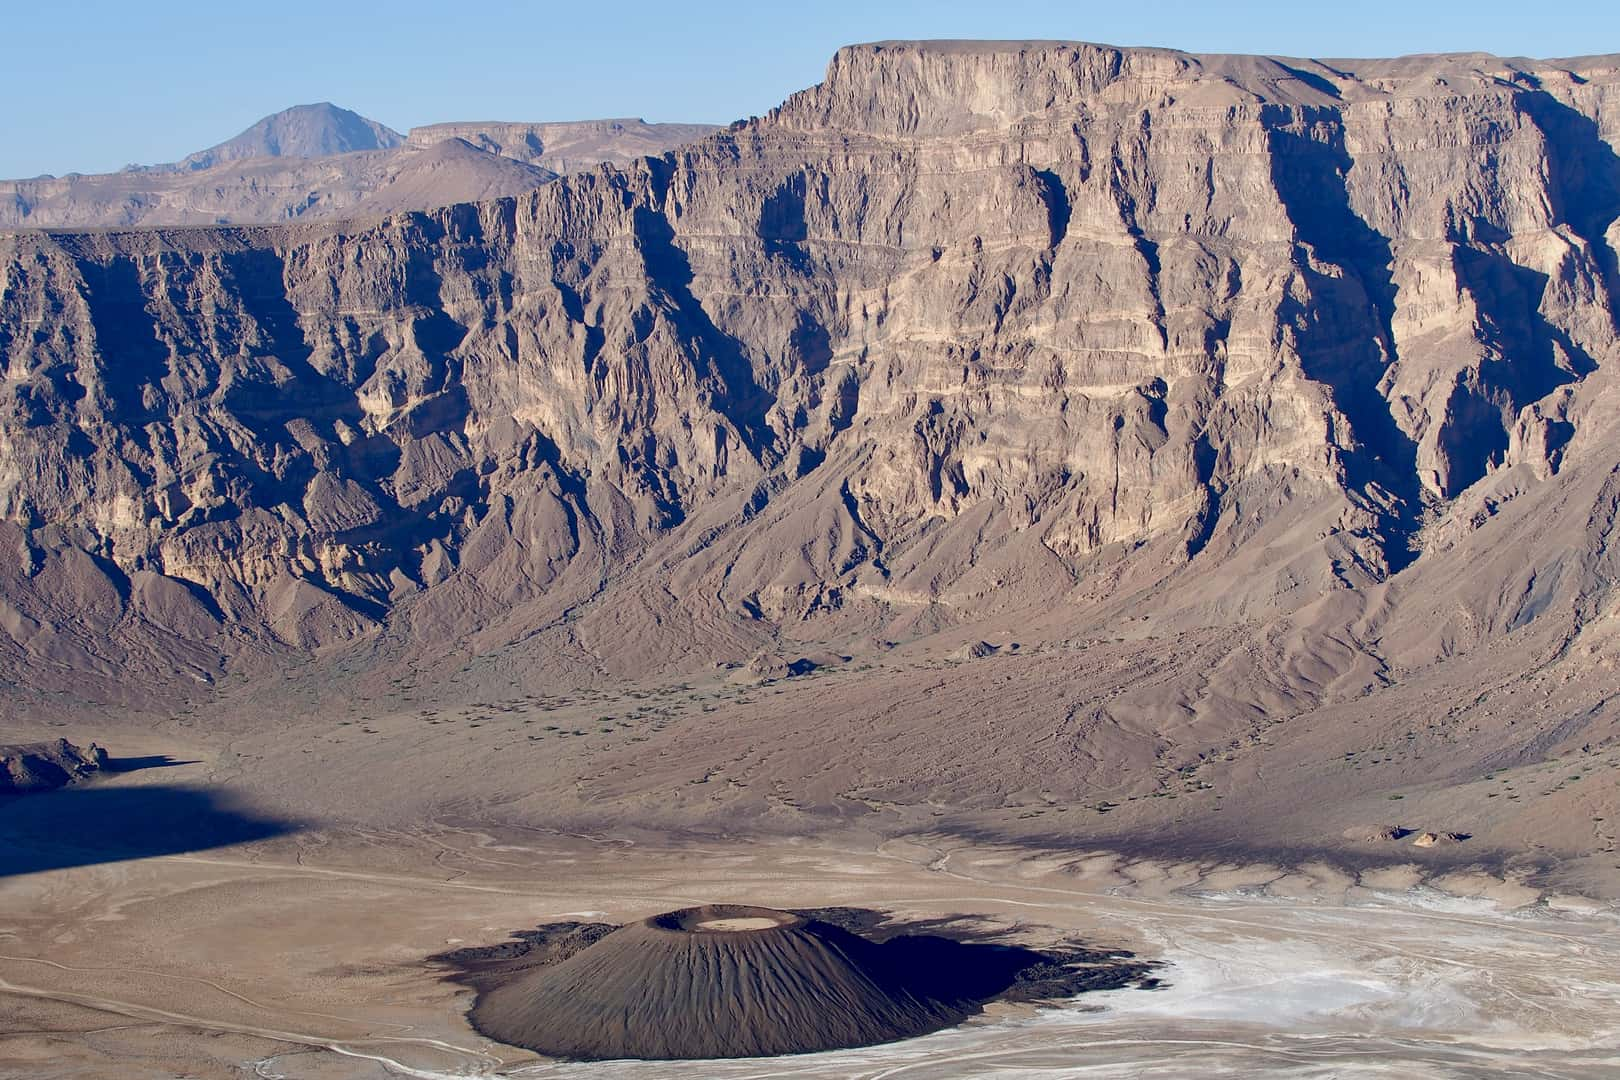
92 85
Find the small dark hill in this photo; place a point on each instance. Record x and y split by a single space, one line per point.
727 981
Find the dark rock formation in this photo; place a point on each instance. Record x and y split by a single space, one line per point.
733 981
26 768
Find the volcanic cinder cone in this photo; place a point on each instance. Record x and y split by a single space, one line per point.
710 982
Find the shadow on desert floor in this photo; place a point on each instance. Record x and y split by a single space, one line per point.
83 826
146 761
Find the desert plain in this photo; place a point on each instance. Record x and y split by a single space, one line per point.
263 938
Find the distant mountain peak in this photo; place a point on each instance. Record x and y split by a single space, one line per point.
303 131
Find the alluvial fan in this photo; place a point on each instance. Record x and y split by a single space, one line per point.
712 982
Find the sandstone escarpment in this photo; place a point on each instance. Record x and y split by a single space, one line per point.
943 336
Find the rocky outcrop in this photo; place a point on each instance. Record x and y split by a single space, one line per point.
968 327
32 767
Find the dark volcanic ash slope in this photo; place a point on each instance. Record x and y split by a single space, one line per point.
727 980
1305 361
674 986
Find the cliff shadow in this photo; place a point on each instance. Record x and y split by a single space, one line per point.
89 825
1532 358
265 400
1528 355
140 762
783 231
437 335
745 401
1583 180
1059 209
134 359
260 278
1309 167
783 224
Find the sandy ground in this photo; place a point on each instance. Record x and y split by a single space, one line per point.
303 956
259 896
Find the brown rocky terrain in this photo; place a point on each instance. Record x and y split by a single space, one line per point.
45 766
1265 404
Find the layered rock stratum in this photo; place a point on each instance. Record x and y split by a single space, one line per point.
1273 387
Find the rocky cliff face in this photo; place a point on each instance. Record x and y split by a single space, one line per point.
968 328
